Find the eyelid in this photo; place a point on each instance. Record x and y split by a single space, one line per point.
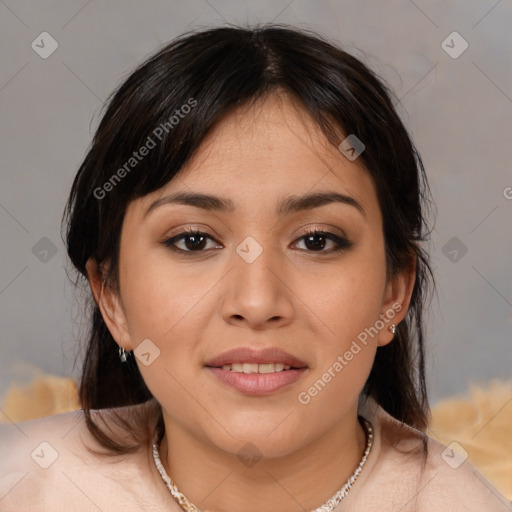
326 228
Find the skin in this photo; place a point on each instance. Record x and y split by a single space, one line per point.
194 306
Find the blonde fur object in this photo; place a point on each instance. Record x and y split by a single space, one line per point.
43 396
481 423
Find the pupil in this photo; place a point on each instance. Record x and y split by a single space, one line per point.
197 242
316 245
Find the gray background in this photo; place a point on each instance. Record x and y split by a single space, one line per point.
458 110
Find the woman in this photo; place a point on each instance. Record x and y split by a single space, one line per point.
249 219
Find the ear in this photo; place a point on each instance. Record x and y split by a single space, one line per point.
397 297
110 305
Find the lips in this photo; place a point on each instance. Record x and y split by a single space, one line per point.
257 384
252 355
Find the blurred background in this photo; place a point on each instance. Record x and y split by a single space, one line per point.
449 64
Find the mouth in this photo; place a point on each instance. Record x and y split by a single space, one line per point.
256 372
251 360
257 367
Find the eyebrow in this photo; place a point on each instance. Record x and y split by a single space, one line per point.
287 205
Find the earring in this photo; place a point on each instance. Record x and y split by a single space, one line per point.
392 328
122 355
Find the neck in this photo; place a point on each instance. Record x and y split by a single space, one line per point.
213 479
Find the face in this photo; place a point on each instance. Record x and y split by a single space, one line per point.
255 277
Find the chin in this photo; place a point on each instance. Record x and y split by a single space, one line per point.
269 440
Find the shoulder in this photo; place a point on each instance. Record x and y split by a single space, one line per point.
432 476
33 440
58 438
451 479
33 452
53 463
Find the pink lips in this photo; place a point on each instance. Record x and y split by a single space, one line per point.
257 384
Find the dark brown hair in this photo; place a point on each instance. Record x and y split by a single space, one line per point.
221 69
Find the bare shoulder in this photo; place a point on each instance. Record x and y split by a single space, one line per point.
54 463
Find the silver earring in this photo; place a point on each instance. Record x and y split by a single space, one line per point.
122 355
392 328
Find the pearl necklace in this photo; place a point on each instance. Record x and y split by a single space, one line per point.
328 506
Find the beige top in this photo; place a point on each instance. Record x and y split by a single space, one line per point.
44 466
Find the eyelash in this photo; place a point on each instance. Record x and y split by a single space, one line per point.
342 242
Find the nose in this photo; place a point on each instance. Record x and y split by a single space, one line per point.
257 292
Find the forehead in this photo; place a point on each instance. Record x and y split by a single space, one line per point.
269 150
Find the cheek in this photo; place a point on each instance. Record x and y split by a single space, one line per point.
171 308
158 299
349 302
350 308
349 298
164 307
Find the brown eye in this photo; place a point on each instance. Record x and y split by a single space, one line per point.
316 241
193 241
